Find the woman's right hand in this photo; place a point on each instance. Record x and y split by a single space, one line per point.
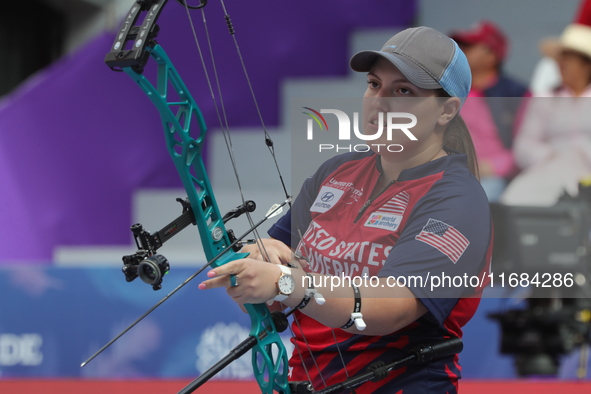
271 250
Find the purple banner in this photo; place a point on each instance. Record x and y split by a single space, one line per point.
77 139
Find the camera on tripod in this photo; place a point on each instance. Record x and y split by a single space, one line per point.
545 242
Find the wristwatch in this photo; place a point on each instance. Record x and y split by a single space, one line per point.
285 284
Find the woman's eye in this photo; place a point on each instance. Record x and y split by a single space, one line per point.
373 84
404 91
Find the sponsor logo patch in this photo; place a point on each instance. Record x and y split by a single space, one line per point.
385 221
326 199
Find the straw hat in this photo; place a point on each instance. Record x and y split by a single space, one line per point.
575 37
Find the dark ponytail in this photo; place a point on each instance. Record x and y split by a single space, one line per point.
457 137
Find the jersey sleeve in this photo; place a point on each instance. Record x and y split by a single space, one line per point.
444 249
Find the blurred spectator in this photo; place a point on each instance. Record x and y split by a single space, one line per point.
553 146
489 115
546 75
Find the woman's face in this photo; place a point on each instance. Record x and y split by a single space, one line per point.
388 90
575 69
480 57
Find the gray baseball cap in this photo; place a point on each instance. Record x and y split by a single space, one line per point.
426 57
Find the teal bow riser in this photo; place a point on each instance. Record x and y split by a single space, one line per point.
269 356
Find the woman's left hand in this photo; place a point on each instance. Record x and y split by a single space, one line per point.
256 280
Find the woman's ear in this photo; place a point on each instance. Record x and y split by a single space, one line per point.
450 107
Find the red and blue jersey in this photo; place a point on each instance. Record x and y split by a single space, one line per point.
431 224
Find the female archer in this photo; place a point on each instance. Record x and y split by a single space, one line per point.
403 226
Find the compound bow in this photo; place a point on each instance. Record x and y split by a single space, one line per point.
179 113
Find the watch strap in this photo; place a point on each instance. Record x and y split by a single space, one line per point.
284 271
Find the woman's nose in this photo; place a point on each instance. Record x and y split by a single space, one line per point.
381 101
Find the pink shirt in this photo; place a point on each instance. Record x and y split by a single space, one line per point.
484 133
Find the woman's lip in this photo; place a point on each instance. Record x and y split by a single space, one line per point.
374 126
376 118
375 122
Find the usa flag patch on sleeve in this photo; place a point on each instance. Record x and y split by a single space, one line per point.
444 238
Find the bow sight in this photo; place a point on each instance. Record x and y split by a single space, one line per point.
150 269
150 266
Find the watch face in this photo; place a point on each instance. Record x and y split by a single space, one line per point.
286 284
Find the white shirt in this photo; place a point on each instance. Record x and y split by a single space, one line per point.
553 149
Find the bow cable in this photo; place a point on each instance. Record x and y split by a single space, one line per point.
228 140
224 125
268 141
307 260
270 145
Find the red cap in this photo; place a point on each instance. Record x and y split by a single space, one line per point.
484 32
583 16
